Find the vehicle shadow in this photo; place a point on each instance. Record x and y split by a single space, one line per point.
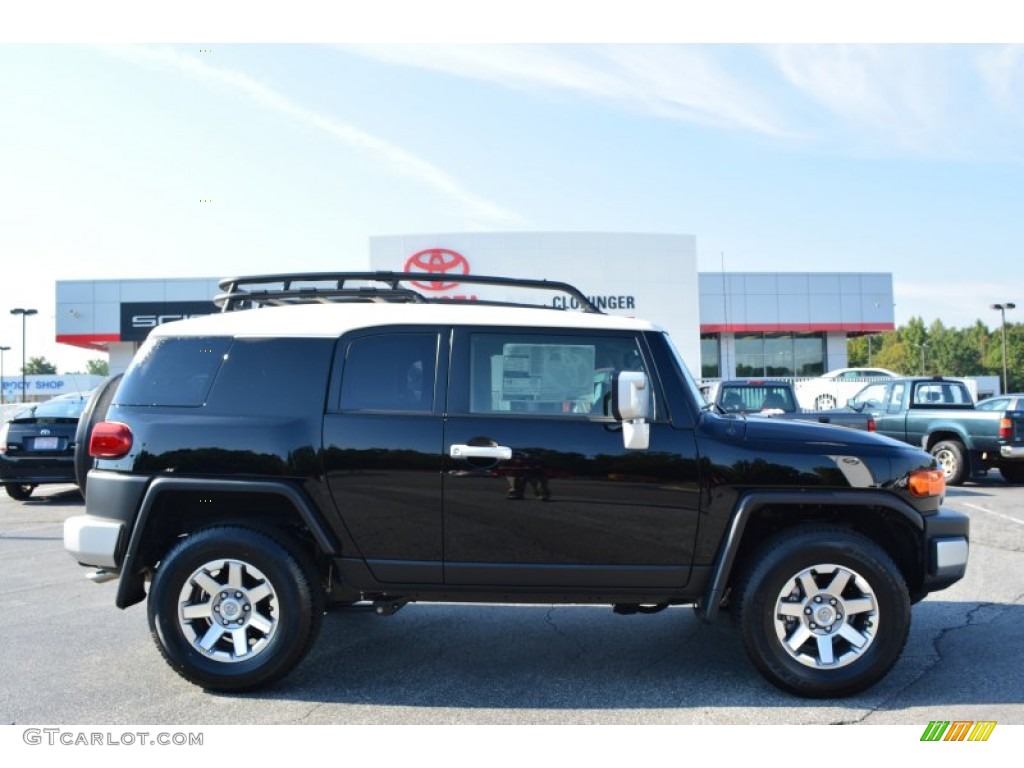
575 657
63 496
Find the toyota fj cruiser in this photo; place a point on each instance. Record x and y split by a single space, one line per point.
331 439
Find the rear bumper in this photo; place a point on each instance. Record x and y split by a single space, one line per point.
100 537
1011 452
36 470
93 540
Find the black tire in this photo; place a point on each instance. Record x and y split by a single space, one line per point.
952 458
19 491
1012 473
256 607
94 412
822 611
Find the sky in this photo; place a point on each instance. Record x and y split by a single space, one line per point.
141 154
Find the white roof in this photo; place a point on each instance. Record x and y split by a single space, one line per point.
333 319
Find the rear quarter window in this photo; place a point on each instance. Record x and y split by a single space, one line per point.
173 371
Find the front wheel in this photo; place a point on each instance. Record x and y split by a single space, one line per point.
823 612
19 491
952 459
234 609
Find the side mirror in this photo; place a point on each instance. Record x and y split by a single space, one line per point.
631 405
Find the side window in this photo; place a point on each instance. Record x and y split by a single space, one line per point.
871 396
995 404
173 371
896 398
566 375
389 372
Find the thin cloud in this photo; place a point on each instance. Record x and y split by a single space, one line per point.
399 160
684 83
1002 70
908 98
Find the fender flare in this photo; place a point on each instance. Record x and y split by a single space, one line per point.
131 586
751 502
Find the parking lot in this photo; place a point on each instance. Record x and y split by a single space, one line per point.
70 657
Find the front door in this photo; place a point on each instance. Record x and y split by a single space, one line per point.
538 488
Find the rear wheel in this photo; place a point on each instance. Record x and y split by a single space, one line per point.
19 491
822 612
952 458
234 609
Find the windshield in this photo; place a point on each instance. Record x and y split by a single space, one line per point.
691 385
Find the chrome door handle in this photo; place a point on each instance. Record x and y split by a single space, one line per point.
501 452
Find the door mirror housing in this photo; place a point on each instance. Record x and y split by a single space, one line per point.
631 405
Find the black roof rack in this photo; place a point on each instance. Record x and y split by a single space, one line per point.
329 287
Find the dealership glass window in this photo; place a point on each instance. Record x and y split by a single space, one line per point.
749 354
808 354
710 356
780 354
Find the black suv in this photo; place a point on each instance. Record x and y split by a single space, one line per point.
339 438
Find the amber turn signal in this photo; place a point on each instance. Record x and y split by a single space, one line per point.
927 482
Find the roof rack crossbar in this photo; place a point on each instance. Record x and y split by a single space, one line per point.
292 288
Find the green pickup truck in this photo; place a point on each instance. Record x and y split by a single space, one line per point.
938 414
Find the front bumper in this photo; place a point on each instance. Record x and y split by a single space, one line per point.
948 536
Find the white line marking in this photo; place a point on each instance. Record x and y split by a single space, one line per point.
997 514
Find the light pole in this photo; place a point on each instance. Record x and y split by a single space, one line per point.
2 350
924 347
1002 311
24 314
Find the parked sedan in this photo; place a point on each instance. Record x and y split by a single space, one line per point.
37 445
1011 402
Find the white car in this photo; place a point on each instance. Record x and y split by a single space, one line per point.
832 389
859 374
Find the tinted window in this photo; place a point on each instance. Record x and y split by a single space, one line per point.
274 377
556 374
389 372
173 372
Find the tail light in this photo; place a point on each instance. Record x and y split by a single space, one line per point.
871 423
927 482
110 440
1005 428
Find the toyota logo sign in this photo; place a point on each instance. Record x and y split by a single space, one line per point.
437 261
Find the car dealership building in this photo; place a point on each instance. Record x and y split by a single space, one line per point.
723 323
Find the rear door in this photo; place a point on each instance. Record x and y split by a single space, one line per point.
382 448
538 488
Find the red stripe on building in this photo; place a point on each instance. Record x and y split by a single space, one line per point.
855 328
97 341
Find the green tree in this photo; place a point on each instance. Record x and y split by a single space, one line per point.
39 365
97 367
